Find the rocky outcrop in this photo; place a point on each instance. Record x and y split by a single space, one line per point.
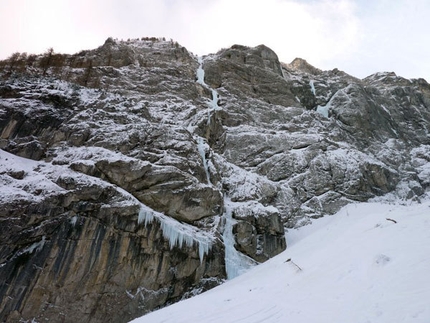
131 173
254 72
259 231
83 245
331 138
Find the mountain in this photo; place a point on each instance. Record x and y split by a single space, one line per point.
367 263
136 174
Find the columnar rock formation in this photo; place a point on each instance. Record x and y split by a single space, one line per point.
137 174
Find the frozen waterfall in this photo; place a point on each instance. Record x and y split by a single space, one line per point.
200 74
236 263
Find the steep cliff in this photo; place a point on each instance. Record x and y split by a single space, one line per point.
137 174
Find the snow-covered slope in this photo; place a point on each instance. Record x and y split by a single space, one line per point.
370 262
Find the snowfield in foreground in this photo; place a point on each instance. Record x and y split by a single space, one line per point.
356 266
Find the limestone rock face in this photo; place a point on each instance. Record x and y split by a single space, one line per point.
260 232
121 166
80 247
254 72
301 65
166 189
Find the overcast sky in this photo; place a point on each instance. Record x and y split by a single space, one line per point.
358 36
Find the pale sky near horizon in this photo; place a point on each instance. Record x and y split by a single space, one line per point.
360 37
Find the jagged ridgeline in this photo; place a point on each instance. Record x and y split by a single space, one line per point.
137 174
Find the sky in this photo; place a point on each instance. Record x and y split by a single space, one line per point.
360 37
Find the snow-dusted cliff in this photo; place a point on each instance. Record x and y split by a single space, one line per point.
137 174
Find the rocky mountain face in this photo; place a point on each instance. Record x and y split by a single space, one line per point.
137 174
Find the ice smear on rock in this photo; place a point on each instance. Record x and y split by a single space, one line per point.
36 246
177 233
213 104
312 85
202 151
323 110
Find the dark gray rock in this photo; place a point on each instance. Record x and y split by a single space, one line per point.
67 255
259 231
